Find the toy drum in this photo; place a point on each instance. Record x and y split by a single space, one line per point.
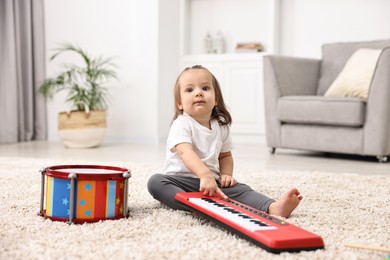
84 193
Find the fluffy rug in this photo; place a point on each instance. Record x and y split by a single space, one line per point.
342 208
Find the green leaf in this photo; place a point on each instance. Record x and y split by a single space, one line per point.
84 84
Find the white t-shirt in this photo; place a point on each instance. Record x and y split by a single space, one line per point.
207 144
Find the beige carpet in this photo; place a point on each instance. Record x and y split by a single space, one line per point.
342 208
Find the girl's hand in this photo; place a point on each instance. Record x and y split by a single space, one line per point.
227 181
209 187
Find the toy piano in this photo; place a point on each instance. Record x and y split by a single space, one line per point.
272 234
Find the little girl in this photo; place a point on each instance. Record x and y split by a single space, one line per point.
199 145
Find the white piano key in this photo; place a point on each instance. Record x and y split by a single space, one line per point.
243 220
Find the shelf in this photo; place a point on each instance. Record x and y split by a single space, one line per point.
250 56
259 24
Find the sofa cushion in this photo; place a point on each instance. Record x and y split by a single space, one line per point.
335 111
355 78
334 57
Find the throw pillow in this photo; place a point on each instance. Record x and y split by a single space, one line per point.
355 78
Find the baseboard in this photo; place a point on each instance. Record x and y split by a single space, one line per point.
237 139
248 138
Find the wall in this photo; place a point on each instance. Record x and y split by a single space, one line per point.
143 36
132 32
169 40
307 24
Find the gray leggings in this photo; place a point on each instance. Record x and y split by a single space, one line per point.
164 188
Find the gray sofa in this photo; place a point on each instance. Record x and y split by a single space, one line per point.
299 116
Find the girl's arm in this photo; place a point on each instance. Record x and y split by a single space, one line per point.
208 185
226 166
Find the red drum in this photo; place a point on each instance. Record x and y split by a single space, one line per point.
84 193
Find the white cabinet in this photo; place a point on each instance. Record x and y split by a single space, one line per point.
244 96
240 78
239 74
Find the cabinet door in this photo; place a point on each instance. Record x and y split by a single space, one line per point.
243 92
241 83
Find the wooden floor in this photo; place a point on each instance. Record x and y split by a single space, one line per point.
245 156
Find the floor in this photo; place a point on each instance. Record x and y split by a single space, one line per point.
245 156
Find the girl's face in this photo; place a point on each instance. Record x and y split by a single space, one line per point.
197 94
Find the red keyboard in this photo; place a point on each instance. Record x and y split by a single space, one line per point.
272 234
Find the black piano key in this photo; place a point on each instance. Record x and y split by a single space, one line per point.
258 222
255 211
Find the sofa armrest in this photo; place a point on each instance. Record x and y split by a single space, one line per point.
292 76
377 125
285 76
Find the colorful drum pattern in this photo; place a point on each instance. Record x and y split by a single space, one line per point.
99 193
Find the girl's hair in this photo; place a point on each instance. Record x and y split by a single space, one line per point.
220 112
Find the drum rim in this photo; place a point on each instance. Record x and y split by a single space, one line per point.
81 220
53 171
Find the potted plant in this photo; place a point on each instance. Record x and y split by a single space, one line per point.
85 125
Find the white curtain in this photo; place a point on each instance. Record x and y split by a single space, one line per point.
22 70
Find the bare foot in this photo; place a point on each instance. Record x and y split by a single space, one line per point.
286 205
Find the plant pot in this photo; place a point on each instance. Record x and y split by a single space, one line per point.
79 129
